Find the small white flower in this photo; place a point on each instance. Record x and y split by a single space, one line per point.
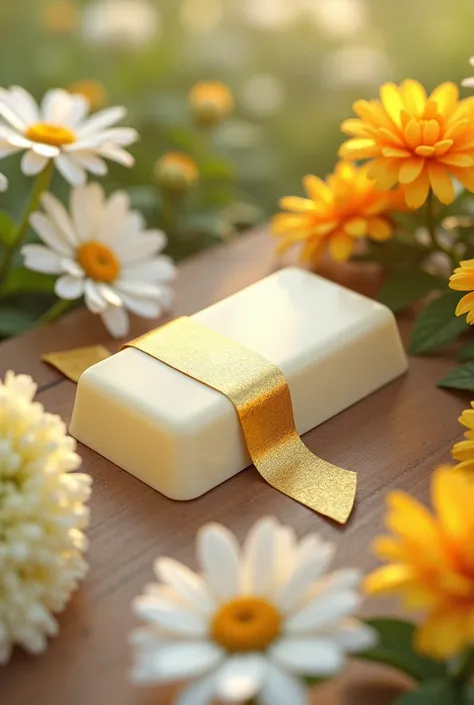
59 129
254 622
120 23
42 517
101 250
469 82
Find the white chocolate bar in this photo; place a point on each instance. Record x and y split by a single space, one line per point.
183 438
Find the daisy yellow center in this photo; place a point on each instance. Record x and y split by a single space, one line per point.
54 135
246 624
98 261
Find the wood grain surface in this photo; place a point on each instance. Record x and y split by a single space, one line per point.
393 439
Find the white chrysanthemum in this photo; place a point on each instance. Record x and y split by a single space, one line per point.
59 129
469 82
102 251
42 517
253 623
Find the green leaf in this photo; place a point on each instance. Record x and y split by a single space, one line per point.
467 352
7 229
24 281
14 321
439 692
460 378
437 324
404 288
395 648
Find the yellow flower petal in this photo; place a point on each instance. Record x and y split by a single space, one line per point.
430 132
462 282
411 169
446 97
463 450
442 146
453 499
341 247
465 304
379 229
389 579
296 204
461 160
443 634
388 548
416 193
395 153
392 101
359 148
465 176
412 133
357 227
467 416
317 189
409 518
285 222
456 129
414 97
425 150
441 182
355 127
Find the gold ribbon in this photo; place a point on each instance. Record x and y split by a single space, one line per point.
260 394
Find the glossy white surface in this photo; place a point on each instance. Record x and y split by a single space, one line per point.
183 438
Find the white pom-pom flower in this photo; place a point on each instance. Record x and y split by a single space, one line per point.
103 252
253 622
60 130
42 518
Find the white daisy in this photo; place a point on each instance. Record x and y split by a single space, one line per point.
101 250
42 518
469 82
59 129
253 623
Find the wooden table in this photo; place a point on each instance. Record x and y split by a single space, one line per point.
393 439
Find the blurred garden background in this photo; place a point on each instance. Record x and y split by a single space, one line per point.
294 68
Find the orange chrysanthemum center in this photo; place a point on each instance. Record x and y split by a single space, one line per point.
54 135
417 140
246 624
340 211
98 261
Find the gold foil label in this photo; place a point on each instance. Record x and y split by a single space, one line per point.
260 394
72 363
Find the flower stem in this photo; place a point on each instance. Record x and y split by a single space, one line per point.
431 227
20 231
56 310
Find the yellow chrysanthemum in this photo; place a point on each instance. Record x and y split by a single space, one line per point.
431 562
339 211
463 451
462 279
415 140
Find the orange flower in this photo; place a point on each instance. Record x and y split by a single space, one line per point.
462 279
415 140
431 562
93 90
339 212
211 102
176 172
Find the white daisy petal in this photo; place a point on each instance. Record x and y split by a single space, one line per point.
166 297
286 555
468 82
190 586
109 294
311 564
50 235
122 136
321 611
138 288
116 321
352 635
143 247
78 109
56 106
68 287
116 154
345 579
259 557
160 269
218 552
146 308
95 302
45 150
174 618
8 112
7 149
100 121
71 170
311 656
200 693
72 267
90 162
280 688
41 259
3 182
180 661
86 206
471 60
113 215
27 105
240 678
59 218
32 163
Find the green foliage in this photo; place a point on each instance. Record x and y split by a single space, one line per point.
437 324
439 692
402 289
14 320
395 648
7 226
467 352
461 377
24 281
